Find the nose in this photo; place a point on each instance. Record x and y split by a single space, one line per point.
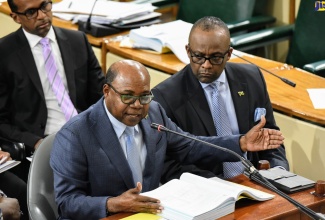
137 104
41 14
207 64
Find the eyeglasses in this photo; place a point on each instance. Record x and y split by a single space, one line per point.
214 60
33 12
130 99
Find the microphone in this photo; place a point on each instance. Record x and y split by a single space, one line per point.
96 30
251 172
289 82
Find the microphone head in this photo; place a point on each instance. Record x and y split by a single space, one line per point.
158 127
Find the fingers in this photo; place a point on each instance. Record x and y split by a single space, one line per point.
261 124
273 139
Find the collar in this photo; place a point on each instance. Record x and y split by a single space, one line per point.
33 39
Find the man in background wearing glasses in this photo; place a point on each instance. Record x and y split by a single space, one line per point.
187 96
105 156
30 107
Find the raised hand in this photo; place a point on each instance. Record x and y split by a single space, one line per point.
259 138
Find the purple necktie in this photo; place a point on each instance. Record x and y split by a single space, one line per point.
56 82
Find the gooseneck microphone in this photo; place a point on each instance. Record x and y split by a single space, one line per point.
96 30
250 171
289 82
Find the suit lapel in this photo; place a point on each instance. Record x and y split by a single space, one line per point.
67 58
239 94
102 129
27 59
198 101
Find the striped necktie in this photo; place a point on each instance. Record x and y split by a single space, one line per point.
222 124
56 82
133 155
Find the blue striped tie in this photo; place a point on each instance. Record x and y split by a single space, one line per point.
133 155
222 124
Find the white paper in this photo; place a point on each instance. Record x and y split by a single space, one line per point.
317 97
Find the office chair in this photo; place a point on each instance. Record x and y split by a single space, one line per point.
16 150
306 49
239 15
40 188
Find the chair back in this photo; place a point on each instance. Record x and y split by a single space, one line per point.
307 44
40 186
227 10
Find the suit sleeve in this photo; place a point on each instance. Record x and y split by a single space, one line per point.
276 157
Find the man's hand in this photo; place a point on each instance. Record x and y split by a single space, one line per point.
10 208
259 138
131 201
4 157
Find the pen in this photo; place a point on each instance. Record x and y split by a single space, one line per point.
70 5
3 160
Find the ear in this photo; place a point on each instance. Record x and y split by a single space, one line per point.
15 17
105 89
229 53
187 48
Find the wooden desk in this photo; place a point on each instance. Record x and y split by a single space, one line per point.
292 101
277 208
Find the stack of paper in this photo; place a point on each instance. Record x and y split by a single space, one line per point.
164 37
103 11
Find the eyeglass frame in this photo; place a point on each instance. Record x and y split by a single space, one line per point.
134 97
207 58
35 14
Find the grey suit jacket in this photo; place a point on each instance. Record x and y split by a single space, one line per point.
184 101
23 111
89 164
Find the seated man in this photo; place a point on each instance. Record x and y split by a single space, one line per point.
191 98
105 156
47 75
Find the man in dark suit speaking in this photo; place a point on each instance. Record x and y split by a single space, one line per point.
105 156
188 96
40 90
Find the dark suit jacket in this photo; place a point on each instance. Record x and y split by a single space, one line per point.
184 101
23 112
89 164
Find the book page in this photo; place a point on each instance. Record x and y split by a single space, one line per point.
227 187
184 200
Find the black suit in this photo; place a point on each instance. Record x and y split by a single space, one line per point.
23 112
185 103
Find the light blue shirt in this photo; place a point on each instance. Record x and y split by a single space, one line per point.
119 129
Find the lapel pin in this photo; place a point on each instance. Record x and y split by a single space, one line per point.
240 93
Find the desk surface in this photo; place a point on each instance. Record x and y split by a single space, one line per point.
292 101
277 208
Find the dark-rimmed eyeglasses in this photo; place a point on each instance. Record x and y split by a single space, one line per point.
130 99
214 60
33 12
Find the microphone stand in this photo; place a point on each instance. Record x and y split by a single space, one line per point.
289 82
251 172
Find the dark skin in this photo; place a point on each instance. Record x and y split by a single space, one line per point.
208 43
39 25
134 79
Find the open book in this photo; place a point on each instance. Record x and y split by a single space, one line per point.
195 197
170 36
8 165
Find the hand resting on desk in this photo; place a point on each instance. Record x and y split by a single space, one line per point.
131 201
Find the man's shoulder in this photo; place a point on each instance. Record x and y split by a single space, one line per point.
68 32
175 82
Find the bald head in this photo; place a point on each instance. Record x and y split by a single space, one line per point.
127 80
